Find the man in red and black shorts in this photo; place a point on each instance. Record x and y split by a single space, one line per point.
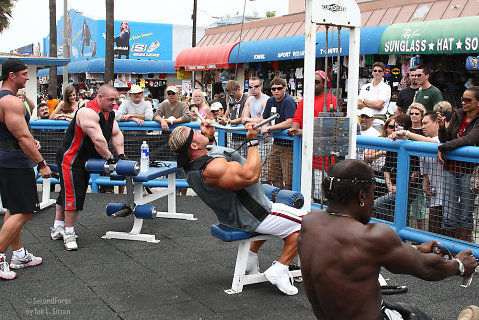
18 155
87 137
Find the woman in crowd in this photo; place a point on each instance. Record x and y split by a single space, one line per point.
417 205
416 112
376 158
67 107
463 130
384 206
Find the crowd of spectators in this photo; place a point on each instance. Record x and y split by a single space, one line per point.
439 197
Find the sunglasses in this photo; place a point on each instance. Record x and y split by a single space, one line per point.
416 75
391 126
256 86
415 113
170 93
376 70
276 88
463 99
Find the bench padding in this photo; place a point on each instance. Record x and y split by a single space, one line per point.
228 234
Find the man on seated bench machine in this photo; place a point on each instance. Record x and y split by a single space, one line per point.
229 185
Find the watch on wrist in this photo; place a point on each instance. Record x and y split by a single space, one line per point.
461 266
252 143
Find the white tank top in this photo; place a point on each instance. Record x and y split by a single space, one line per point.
256 106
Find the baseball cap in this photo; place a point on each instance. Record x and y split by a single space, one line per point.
216 106
322 74
172 88
135 89
11 65
367 112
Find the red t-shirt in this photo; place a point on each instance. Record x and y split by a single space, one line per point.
318 107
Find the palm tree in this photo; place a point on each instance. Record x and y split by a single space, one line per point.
109 62
5 13
52 83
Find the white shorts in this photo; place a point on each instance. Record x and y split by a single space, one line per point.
282 221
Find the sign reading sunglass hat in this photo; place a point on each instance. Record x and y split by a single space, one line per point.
431 37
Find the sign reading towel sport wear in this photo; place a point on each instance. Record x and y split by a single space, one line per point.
432 37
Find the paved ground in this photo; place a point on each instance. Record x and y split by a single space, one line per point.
182 277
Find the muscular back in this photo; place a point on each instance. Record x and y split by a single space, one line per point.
339 268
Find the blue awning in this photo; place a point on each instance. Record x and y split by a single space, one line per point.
38 61
121 66
293 47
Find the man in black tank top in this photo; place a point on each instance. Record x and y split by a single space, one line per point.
87 137
18 155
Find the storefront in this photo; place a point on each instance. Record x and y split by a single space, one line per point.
444 45
150 74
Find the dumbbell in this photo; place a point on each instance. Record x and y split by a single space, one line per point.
271 191
116 210
122 167
291 198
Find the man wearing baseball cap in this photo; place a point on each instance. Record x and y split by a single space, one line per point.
136 109
172 110
18 155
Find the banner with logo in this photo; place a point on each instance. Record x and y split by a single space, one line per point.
432 37
132 40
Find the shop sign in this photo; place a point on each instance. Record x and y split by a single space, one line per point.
431 37
182 74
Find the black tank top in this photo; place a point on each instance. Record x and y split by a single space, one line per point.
11 155
77 146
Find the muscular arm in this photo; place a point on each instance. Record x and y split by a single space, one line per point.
117 139
232 175
88 121
222 174
15 121
399 257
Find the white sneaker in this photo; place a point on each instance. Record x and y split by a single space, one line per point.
57 232
279 275
252 266
153 46
29 260
5 272
70 241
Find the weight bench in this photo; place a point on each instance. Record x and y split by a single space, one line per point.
46 200
244 239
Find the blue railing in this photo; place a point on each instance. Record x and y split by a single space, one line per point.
404 149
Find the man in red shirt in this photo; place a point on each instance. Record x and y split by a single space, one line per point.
319 78
297 125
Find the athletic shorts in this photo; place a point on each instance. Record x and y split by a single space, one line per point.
282 221
18 189
74 184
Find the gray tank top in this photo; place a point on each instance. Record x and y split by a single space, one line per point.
256 106
242 209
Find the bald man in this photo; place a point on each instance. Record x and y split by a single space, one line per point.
87 137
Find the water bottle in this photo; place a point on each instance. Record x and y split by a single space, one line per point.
145 157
